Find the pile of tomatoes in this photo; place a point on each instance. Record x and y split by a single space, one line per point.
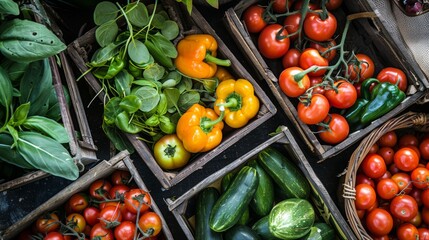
392 187
112 208
324 93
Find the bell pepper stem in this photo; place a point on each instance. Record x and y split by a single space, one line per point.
207 124
217 61
231 103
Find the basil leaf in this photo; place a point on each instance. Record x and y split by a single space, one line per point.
28 41
130 103
138 52
20 115
123 82
154 72
170 29
187 99
11 155
149 96
105 11
139 15
173 95
9 7
6 89
46 154
118 140
47 127
106 33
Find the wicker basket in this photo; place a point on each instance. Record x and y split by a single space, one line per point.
417 121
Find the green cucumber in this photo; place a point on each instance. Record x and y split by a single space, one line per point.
291 218
226 181
284 173
241 232
261 228
231 205
263 200
245 218
204 204
320 231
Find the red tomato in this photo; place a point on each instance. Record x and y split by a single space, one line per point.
362 178
116 204
76 222
291 23
374 148
320 30
408 139
373 165
423 233
253 18
54 236
425 215
387 188
125 231
387 154
78 202
379 222
315 111
127 215
101 233
389 139
91 215
406 159
99 189
404 207
120 177
387 174
291 58
394 76
150 223
403 180
333 4
365 196
118 191
363 65
110 216
416 193
344 96
424 149
338 129
281 6
326 49
289 86
311 57
425 197
272 41
136 199
315 85
420 177
407 231
47 223
298 5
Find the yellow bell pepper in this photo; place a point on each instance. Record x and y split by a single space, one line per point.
223 74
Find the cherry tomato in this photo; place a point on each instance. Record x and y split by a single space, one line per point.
101 233
333 4
120 177
326 49
363 65
344 96
389 139
403 180
291 58
299 3
406 159
99 189
291 24
125 230
387 188
362 178
404 207
281 6
416 193
110 216
387 154
127 215
78 202
170 153
420 177
91 215
137 199
373 165
76 222
272 41
408 139
117 191
374 148
338 129
425 197
425 215
54 236
320 30
424 149
289 86
253 18
311 57
116 204
365 196
423 233
394 76
47 223
387 174
317 89
151 223
379 222
315 111
407 231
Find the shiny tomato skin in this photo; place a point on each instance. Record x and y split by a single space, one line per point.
315 85
416 193
127 215
423 233
272 41
333 4
253 19
120 177
425 197
362 178
339 129
406 159
291 58
100 233
91 215
420 177
387 189
76 221
78 202
170 153
379 222
424 149
344 97
289 86
47 223
388 139
99 189
311 57
281 6
326 49
374 148
365 196
407 231
53 236
110 215
373 165
118 191
364 66
150 220
315 111
137 199
403 180
408 139
291 24
393 75
299 3
125 230
387 154
403 207
320 30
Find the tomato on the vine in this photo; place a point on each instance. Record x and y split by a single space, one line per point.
170 153
338 129
319 88
379 222
291 58
363 68
150 223
365 196
253 18
281 6
273 41
125 230
333 4
403 207
78 202
299 3
99 189
406 159
319 29
315 110
120 177
101 233
343 95
311 57
91 215
290 86
118 191
48 222
76 222
110 216
326 49
54 236
137 200
291 24
373 165
394 76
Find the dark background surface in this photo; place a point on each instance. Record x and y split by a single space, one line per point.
16 203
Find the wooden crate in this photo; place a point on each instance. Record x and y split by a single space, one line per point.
194 24
82 149
103 169
369 34
183 207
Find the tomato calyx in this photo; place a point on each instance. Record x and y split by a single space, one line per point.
279 35
110 224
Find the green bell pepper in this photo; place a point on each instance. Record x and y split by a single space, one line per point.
354 113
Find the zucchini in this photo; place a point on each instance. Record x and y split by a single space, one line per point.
263 200
204 204
241 232
284 173
291 218
226 181
245 218
231 205
320 231
261 228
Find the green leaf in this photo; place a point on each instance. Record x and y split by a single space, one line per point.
104 54
28 41
187 99
158 21
162 105
154 72
9 7
173 96
123 82
111 110
118 140
11 155
170 29
213 3
149 97
158 53
166 46
20 115
106 33
138 52
104 12
54 109
6 89
139 15
47 127
184 85
15 69
46 154
130 103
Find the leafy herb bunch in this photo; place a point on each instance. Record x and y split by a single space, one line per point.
30 135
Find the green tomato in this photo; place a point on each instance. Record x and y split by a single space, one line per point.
170 153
